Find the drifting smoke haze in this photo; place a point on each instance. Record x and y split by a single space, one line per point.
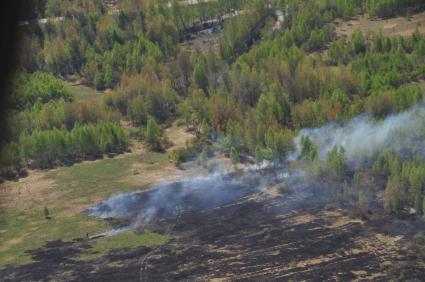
168 200
363 137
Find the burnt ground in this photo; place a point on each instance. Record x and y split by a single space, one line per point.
263 236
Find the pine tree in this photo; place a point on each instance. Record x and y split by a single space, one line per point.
308 149
234 155
153 134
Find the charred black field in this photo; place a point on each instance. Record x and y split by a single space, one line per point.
258 233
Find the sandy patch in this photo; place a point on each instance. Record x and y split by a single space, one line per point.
399 26
314 261
33 189
178 136
337 220
6 245
302 219
388 240
342 221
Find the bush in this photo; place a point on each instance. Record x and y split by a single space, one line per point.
381 104
177 157
234 155
11 161
337 163
38 87
153 135
308 149
46 213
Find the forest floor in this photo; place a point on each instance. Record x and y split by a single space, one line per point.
399 26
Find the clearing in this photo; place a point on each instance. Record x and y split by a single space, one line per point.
399 26
68 191
82 92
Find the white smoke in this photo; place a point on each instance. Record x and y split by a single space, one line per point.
167 200
363 137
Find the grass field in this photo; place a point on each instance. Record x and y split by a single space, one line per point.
83 93
66 192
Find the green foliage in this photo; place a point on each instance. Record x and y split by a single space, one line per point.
337 162
414 175
252 97
274 108
357 42
280 143
388 8
57 115
244 85
203 156
11 157
395 196
387 163
200 73
308 114
342 50
140 96
177 157
195 110
382 103
234 155
47 148
234 136
240 32
308 149
137 111
27 89
153 134
419 245
163 32
46 213
362 200
339 52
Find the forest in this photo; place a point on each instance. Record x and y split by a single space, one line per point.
250 97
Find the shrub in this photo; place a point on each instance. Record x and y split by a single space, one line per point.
153 135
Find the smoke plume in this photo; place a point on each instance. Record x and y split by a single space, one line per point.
363 137
168 200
